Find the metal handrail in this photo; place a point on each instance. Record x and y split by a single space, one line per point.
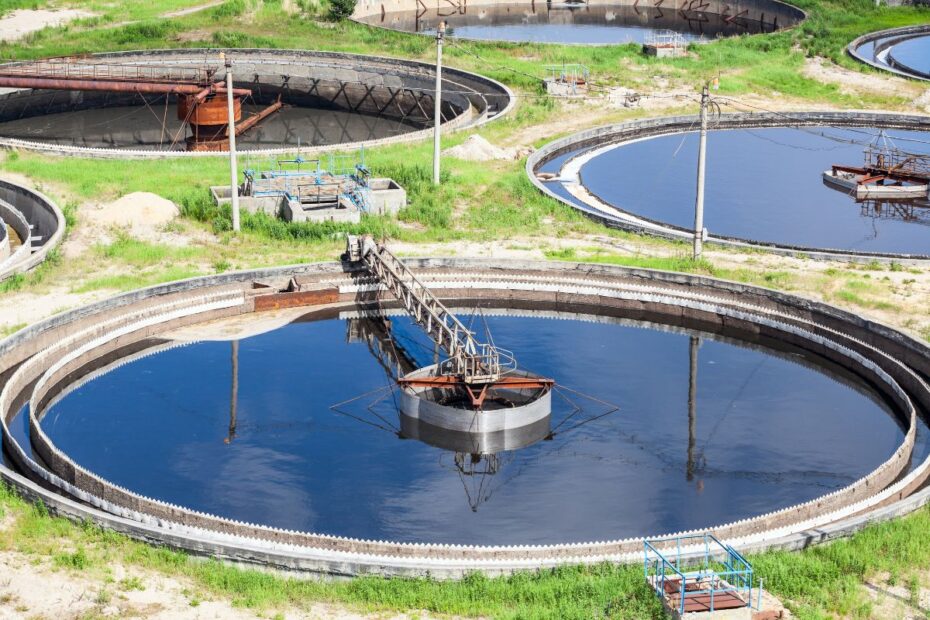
738 569
473 361
70 68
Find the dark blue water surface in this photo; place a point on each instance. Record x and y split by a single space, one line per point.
763 185
915 53
769 431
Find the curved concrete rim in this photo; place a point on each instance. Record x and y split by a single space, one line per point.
456 124
24 259
881 351
623 133
900 34
802 16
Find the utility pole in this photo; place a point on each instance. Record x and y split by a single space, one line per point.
699 203
437 101
233 173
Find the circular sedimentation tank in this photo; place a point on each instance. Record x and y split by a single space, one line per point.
329 99
904 51
693 404
31 226
765 186
593 22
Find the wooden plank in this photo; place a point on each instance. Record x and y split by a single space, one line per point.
701 602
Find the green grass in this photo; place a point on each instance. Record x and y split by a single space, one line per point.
142 254
7 6
681 262
828 578
759 63
572 592
127 282
818 582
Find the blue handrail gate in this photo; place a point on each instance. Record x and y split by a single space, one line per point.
700 570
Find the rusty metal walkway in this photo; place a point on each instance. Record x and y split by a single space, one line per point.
473 361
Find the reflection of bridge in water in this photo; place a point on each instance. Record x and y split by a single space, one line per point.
911 211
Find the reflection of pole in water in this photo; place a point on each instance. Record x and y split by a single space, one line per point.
234 393
692 403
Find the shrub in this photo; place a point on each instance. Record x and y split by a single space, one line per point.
339 9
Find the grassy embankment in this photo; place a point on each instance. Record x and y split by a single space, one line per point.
478 202
820 582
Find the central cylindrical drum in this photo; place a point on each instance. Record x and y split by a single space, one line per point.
511 419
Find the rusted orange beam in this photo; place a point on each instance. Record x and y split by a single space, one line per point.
115 86
894 175
258 117
451 381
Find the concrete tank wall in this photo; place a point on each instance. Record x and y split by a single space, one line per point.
31 214
54 348
621 133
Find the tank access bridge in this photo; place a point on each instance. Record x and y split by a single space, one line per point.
475 373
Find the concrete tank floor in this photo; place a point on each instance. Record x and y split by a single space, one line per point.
762 185
573 24
141 127
771 429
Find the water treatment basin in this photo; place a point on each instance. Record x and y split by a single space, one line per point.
581 23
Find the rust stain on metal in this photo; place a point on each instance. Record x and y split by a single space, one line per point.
278 301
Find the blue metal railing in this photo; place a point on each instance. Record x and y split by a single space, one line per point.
700 560
292 179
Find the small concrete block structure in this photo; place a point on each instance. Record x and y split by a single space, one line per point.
563 88
387 197
294 211
666 44
270 205
664 51
567 80
384 197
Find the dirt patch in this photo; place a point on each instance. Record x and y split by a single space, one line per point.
26 308
897 601
30 589
193 9
853 82
923 101
141 215
20 23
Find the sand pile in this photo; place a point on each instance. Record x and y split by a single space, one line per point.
140 212
476 148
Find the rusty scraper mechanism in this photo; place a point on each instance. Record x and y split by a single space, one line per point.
473 369
201 97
